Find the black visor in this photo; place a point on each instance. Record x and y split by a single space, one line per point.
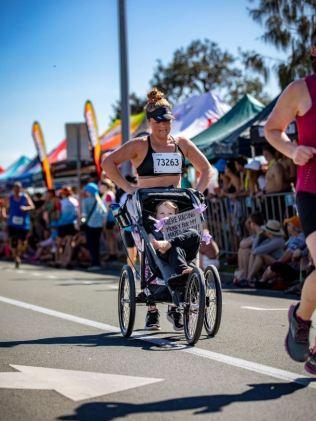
160 114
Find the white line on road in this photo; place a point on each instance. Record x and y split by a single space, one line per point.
264 309
51 276
226 359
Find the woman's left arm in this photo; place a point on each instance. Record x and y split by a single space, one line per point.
199 162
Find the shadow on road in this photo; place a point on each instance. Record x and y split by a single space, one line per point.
103 339
259 292
98 411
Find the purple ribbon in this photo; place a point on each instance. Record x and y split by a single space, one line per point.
159 223
200 208
206 238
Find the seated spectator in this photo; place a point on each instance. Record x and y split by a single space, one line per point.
253 226
45 248
80 253
283 272
209 253
266 248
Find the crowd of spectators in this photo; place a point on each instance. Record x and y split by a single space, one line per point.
65 228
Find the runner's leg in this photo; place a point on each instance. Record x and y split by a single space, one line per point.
308 299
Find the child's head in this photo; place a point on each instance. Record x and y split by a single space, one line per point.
165 209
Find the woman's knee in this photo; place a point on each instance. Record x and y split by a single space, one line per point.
194 235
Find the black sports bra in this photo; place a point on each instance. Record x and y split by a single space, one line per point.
161 163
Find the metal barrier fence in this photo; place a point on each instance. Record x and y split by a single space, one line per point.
226 216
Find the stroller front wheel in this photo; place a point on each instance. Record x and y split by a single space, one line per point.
126 301
194 306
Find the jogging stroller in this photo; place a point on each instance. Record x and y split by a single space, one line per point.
196 295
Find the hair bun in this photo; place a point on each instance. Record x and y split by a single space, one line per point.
154 96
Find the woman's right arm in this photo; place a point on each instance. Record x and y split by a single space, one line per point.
126 152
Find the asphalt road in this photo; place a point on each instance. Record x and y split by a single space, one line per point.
67 320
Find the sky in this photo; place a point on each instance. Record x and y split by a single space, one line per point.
56 54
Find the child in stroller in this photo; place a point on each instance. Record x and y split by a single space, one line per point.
179 253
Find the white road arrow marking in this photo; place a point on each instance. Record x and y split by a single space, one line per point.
75 385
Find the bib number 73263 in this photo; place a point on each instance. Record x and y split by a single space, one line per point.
170 162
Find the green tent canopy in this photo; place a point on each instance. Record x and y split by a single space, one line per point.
243 112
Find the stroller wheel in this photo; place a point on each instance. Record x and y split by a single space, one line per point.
194 306
126 301
213 309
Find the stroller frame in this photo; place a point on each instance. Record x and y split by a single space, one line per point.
188 293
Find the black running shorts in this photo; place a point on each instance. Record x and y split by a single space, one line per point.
306 205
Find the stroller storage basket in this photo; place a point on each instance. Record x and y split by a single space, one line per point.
121 215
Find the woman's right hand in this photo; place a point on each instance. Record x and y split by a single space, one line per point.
302 154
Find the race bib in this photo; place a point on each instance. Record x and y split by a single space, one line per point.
167 162
17 220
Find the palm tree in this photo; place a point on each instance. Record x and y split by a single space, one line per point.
288 25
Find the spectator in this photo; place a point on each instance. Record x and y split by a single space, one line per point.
51 209
45 249
282 273
253 226
240 163
266 248
109 198
275 183
275 179
80 253
20 204
94 212
3 236
256 178
232 183
66 226
69 207
289 169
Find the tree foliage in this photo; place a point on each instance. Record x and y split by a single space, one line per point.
204 66
288 25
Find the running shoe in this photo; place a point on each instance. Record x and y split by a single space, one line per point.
297 340
310 365
175 318
152 320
